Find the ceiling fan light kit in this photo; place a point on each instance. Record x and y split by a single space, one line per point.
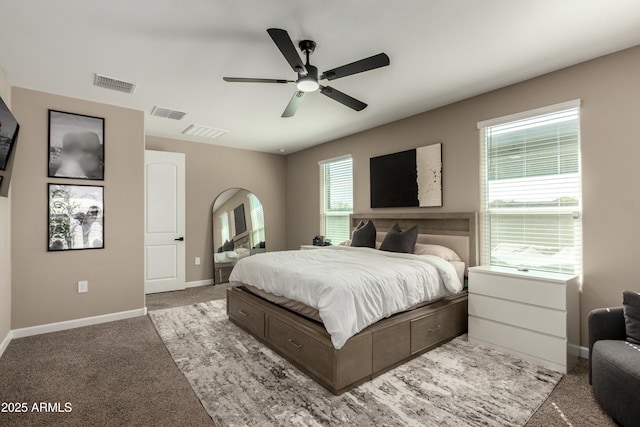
308 80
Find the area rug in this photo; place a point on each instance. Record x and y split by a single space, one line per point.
241 382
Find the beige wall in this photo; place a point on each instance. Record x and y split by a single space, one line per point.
5 238
44 286
239 198
610 91
211 170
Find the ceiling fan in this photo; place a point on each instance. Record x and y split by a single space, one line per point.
308 74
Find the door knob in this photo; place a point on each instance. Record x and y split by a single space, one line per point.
179 239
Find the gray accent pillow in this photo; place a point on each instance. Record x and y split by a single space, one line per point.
397 240
229 245
631 303
364 235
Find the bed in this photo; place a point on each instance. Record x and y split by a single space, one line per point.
344 351
224 261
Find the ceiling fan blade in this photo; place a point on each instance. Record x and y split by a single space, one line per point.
295 102
283 41
370 63
249 80
343 98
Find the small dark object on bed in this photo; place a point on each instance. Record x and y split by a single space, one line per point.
364 235
397 240
260 245
631 303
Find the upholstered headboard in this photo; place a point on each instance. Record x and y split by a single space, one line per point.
458 231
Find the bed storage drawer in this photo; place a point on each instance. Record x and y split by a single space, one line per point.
391 345
434 328
247 315
306 351
221 274
427 331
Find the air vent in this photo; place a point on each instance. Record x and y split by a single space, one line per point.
113 84
167 113
204 131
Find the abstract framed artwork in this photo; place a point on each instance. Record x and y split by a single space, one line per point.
411 178
76 217
76 146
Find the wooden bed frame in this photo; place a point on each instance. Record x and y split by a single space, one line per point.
380 347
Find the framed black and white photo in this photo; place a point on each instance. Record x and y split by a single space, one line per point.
76 146
9 128
76 217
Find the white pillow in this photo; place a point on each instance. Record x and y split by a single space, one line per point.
436 250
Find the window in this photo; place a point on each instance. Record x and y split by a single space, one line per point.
225 233
336 198
257 219
530 190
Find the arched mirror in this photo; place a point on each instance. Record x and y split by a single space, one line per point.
238 230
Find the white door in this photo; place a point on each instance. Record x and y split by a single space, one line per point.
164 221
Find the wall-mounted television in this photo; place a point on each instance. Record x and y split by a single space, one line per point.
240 220
9 128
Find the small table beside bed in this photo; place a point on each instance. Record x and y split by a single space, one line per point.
343 314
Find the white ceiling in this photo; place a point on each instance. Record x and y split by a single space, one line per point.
178 51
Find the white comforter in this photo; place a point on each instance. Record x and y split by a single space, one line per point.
351 288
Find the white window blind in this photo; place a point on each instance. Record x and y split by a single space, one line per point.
336 198
225 233
531 191
257 220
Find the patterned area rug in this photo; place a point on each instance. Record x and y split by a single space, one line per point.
241 382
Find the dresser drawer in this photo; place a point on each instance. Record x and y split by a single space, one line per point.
535 344
530 291
247 315
536 318
309 353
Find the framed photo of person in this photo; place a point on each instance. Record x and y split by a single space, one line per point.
76 146
76 217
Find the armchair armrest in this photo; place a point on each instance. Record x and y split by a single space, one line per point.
605 324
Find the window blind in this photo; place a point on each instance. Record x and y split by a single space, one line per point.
336 198
225 234
531 192
257 220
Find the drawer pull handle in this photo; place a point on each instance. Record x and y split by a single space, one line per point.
295 344
245 314
435 329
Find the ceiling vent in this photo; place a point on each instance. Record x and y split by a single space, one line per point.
113 84
204 131
167 113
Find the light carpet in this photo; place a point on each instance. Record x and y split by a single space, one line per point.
241 382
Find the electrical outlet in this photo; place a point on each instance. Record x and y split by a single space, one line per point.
83 286
197 261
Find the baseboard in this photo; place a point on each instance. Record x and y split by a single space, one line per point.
5 342
197 283
584 352
76 323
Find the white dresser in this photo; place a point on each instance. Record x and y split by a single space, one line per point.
533 315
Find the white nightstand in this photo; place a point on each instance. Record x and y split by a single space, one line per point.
533 315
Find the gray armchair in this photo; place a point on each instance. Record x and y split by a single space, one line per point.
614 366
